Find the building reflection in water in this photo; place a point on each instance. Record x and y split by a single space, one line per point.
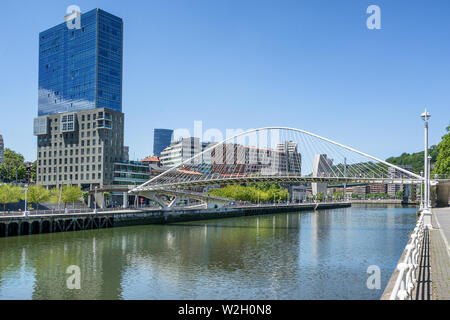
310 255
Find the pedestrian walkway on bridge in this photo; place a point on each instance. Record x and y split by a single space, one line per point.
434 269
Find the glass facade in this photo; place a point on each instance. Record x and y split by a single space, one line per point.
161 140
81 68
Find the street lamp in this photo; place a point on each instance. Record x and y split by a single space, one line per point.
26 200
427 210
95 200
429 175
421 192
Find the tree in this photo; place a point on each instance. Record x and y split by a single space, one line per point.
70 194
399 194
13 167
442 165
38 194
337 195
415 160
33 171
10 194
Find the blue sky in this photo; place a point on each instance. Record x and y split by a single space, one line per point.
312 65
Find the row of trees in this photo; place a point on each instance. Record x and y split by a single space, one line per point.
442 165
37 194
250 192
13 168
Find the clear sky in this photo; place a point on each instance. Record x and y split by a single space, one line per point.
312 65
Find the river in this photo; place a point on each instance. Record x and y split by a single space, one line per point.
306 255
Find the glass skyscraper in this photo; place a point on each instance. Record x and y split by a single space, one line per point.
161 140
81 68
80 124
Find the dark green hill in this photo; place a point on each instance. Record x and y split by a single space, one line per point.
415 160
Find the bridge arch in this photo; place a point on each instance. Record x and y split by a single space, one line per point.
312 149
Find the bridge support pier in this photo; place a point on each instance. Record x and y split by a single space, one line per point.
125 200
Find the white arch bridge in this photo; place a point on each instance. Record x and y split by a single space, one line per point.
271 154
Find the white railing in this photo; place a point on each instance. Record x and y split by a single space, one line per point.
406 279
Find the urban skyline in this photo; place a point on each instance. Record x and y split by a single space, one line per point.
393 109
286 187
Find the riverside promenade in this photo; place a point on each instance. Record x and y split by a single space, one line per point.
439 239
433 273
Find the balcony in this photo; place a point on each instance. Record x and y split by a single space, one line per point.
103 116
104 125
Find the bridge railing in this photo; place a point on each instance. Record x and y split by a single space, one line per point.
406 279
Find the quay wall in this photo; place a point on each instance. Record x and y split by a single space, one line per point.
21 225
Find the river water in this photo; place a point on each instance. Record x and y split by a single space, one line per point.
306 255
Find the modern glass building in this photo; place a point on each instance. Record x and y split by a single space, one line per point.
80 124
161 140
81 67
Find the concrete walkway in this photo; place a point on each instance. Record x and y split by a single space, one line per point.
440 254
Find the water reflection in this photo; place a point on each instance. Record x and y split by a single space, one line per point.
309 255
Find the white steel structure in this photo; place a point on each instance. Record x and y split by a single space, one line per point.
231 161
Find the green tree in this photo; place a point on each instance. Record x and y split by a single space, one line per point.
85 197
442 165
13 167
415 160
33 171
71 194
10 194
337 195
399 194
38 194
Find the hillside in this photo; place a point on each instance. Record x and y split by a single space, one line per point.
415 160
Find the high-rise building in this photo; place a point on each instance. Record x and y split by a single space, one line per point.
80 123
291 163
321 168
2 147
161 140
182 150
393 173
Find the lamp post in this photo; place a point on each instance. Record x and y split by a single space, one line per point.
26 201
421 192
427 210
95 200
429 185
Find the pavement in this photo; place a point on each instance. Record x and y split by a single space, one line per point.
440 254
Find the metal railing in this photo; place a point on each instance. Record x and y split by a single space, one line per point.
406 279
72 211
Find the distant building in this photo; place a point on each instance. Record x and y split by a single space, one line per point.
182 150
321 168
130 173
360 191
290 159
161 140
2 149
377 188
394 173
151 160
236 159
297 192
